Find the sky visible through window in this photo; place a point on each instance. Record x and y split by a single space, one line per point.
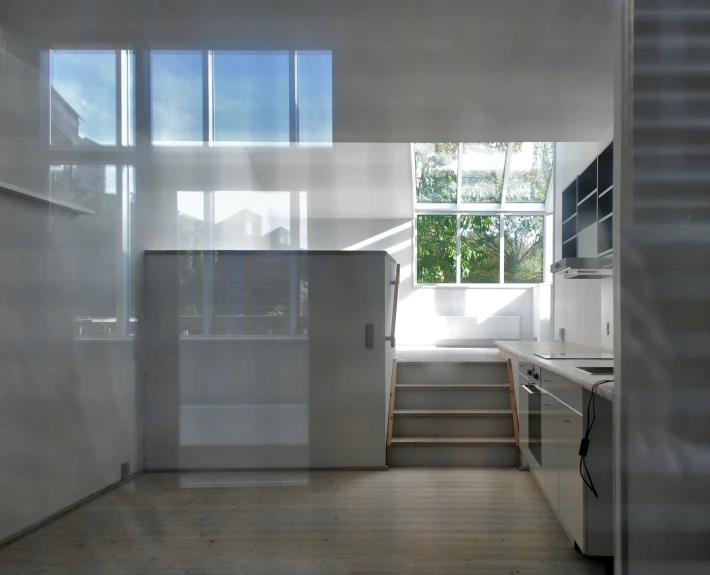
252 97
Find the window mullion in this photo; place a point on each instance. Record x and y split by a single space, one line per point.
121 184
501 247
506 174
458 248
206 99
119 99
208 266
459 178
293 96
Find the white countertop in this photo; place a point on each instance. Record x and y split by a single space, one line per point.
567 368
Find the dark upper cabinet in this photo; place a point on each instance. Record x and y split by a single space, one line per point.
587 200
587 181
606 168
569 201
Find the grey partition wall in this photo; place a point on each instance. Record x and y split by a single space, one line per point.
662 289
257 359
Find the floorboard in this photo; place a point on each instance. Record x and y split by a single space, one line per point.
415 521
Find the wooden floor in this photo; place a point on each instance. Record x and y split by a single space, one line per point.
402 521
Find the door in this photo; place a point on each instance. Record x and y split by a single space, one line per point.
571 490
549 469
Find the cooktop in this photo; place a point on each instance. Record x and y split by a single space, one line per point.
576 355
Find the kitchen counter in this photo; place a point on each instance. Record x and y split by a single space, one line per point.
567 368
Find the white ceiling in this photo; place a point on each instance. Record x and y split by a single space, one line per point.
404 70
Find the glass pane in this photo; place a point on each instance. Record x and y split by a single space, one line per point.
480 249
315 97
191 236
482 167
251 97
176 98
436 249
252 293
95 263
530 171
436 170
523 249
83 97
252 220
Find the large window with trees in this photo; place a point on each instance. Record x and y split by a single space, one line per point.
481 211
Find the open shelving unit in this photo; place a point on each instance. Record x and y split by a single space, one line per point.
587 209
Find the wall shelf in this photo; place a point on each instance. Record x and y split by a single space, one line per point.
22 193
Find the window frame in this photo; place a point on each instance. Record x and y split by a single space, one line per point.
208 126
502 209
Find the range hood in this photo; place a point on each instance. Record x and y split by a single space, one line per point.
583 268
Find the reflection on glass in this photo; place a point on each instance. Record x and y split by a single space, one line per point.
482 168
83 97
315 97
523 248
129 187
95 262
252 294
530 171
436 249
176 98
191 232
252 220
480 249
251 97
436 171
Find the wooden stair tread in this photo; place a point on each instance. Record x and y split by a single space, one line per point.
458 441
453 413
452 387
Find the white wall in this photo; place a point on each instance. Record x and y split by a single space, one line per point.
419 305
581 307
433 70
69 409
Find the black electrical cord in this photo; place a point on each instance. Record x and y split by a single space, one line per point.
584 446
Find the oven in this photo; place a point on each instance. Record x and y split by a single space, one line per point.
532 399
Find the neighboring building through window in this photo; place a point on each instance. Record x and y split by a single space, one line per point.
481 211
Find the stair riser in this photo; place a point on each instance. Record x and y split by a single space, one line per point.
475 399
453 456
453 427
447 373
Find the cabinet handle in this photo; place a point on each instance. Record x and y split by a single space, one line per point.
566 421
547 404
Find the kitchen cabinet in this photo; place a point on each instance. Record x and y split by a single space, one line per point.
571 486
548 472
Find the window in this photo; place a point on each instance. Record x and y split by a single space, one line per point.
251 97
235 98
177 98
315 97
99 265
252 293
481 211
86 88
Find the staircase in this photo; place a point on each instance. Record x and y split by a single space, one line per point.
452 414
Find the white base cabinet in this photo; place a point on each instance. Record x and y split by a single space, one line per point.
586 519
